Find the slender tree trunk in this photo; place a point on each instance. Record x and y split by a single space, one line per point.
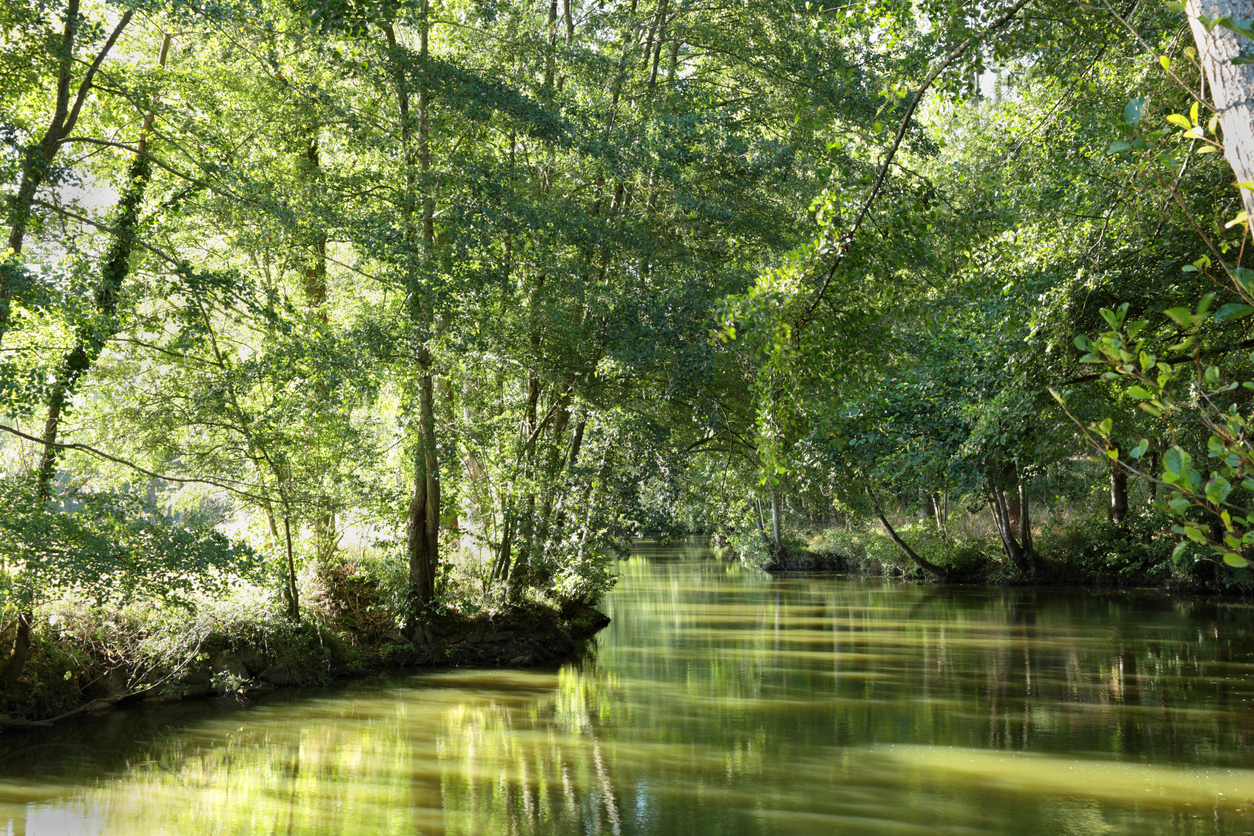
922 562
315 286
316 268
290 593
90 337
1151 492
1231 83
37 158
423 521
422 527
777 543
1021 553
1009 477
1118 493
1025 528
21 649
550 57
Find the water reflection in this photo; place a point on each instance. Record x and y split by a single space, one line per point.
719 701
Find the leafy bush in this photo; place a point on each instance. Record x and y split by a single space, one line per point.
1139 551
362 593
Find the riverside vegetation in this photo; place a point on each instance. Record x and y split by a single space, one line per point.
337 335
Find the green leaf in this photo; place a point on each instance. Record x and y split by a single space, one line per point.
1179 121
1233 310
1235 560
1217 489
1176 461
1244 278
1195 534
1139 450
1134 110
1181 316
1139 392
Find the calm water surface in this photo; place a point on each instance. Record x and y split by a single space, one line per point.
718 702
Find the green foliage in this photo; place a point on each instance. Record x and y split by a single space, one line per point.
1139 551
111 546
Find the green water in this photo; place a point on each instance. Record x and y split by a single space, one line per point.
719 701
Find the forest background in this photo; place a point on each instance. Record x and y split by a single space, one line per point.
332 321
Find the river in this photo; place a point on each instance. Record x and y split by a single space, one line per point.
719 701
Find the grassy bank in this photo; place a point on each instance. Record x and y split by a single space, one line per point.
90 656
1086 551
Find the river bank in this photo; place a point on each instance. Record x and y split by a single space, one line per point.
85 661
1143 552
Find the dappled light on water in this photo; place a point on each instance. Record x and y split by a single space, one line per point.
719 701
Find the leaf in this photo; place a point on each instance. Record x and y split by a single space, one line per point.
1164 62
1139 450
1217 490
1244 278
1134 110
1233 310
1195 534
1193 114
1181 316
1235 560
1179 121
1135 328
1176 461
1139 392
1117 146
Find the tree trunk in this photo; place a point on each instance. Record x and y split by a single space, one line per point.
1151 492
922 562
21 649
777 543
37 158
422 523
289 589
1021 553
422 526
1118 493
316 268
926 511
1231 84
1009 476
91 336
1025 528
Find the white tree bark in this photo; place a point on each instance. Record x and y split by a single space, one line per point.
1231 86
